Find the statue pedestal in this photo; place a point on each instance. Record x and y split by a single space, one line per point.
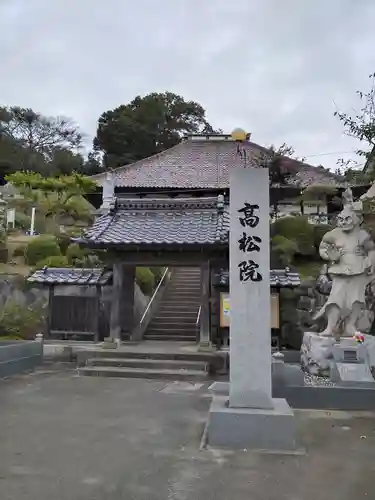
316 354
346 362
350 365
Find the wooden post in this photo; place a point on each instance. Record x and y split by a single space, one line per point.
127 302
115 320
122 307
205 337
49 314
97 298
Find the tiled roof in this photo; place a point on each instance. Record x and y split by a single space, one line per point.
70 276
190 221
207 164
279 278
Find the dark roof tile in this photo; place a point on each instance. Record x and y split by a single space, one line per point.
279 278
161 222
70 276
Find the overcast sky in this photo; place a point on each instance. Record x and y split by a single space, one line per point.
276 68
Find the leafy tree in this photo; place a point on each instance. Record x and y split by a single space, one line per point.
280 162
93 165
361 125
39 133
146 126
55 196
31 141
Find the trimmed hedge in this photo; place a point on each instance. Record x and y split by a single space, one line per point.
40 248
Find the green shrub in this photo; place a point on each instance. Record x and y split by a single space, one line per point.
19 321
297 229
40 248
22 221
145 280
284 249
64 241
75 253
53 261
158 273
319 231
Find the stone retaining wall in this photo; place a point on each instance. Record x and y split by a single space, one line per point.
19 356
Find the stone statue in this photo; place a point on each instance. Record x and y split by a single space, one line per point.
351 253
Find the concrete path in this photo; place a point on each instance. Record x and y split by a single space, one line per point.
63 437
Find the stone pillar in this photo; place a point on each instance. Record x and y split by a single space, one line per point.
122 306
250 301
252 419
3 230
204 327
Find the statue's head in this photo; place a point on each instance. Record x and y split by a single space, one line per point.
351 215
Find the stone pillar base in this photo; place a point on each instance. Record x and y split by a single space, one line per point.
249 428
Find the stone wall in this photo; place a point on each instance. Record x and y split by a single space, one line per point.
13 288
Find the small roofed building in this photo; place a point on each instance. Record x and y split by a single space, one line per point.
75 309
172 209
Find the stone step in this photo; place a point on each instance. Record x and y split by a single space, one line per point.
163 364
179 304
152 354
181 300
172 323
183 286
177 313
173 319
186 279
148 373
172 329
182 297
167 337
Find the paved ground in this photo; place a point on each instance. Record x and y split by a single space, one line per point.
69 438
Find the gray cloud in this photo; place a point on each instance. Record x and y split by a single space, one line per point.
274 68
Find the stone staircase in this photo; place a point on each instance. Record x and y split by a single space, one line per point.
176 316
149 365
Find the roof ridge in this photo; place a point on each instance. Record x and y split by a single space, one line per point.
162 204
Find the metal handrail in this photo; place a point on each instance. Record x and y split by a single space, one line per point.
153 295
198 316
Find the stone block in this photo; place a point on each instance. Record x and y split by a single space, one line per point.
250 428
